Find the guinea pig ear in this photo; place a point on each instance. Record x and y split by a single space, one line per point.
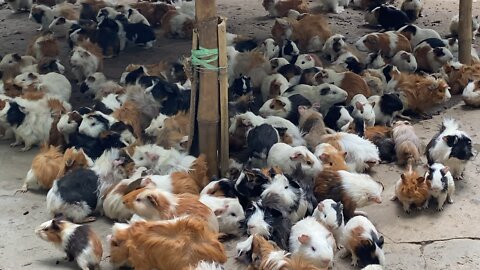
153 157
152 200
373 103
420 179
450 140
380 241
404 179
16 57
445 170
320 206
221 211
296 156
32 76
282 22
324 157
304 239
54 225
405 56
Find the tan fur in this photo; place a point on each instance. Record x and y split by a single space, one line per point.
166 245
381 42
420 93
407 144
174 131
95 5
56 106
166 23
475 100
458 78
413 188
283 6
56 138
354 84
157 69
153 12
95 50
43 46
311 122
96 244
303 30
46 165
11 89
156 206
382 131
130 114
68 11
333 140
71 160
333 159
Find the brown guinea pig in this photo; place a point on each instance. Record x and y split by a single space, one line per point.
331 157
407 144
410 189
80 242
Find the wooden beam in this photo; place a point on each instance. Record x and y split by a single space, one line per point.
208 99
223 73
465 32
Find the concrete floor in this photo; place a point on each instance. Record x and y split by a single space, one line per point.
421 240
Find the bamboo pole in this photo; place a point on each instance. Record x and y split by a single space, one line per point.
192 139
208 99
223 73
465 32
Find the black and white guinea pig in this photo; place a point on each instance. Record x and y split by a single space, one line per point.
308 76
391 18
248 187
330 214
75 195
79 242
451 147
289 51
285 107
386 107
259 141
338 118
241 86
363 241
137 33
416 34
431 59
269 223
442 185
374 60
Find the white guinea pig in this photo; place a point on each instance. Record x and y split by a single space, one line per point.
287 157
363 109
229 213
312 240
405 61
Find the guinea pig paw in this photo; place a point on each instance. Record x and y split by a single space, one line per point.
25 149
15 144
440 208
88 219
23 189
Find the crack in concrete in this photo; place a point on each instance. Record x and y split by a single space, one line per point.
428 242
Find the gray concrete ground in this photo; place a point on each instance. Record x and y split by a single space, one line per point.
421 240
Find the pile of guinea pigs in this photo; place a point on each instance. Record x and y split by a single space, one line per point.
310 118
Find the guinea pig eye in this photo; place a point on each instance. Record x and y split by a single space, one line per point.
233 215
331 164
324 215
93 124
364 41
138 199
10 61
314 249
272 106
45 229
141 158
286 187
303 62
309 163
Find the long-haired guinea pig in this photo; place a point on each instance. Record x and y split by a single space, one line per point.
412 189
229 213
442 185
413 8
44 45
172 244
471 94
79 242
407 144
314 241
286 158
155 204
451 147
363 241
388 43
455 23
352 189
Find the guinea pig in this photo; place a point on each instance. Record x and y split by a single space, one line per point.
306 61
405 61
311 122
352 83
152 11
471 95
269 48
310 31
280 9
361 153
94 123
334 47
31 121
331 158
431 59
287 158
86 59
240 86
44 45
325 95
346 187
338 118
13 64
286 107
61 26
68 124
79 242
46 166
19 5
137 33
313 241
74 195
330 214
289 51
391 18
229 213
451 147
273 86
155 204
415 34
285 194
412 189
269 223
413 9
259 141
335 6
173 244
454 25
407 144
308 76
375 60
53 84
109 39
364 242
164 161
386 107
177 24
363 109
442 185
387 43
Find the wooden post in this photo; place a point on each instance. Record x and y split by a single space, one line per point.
208 98
465 32
223 73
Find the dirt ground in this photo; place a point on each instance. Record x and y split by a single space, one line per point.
421 240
